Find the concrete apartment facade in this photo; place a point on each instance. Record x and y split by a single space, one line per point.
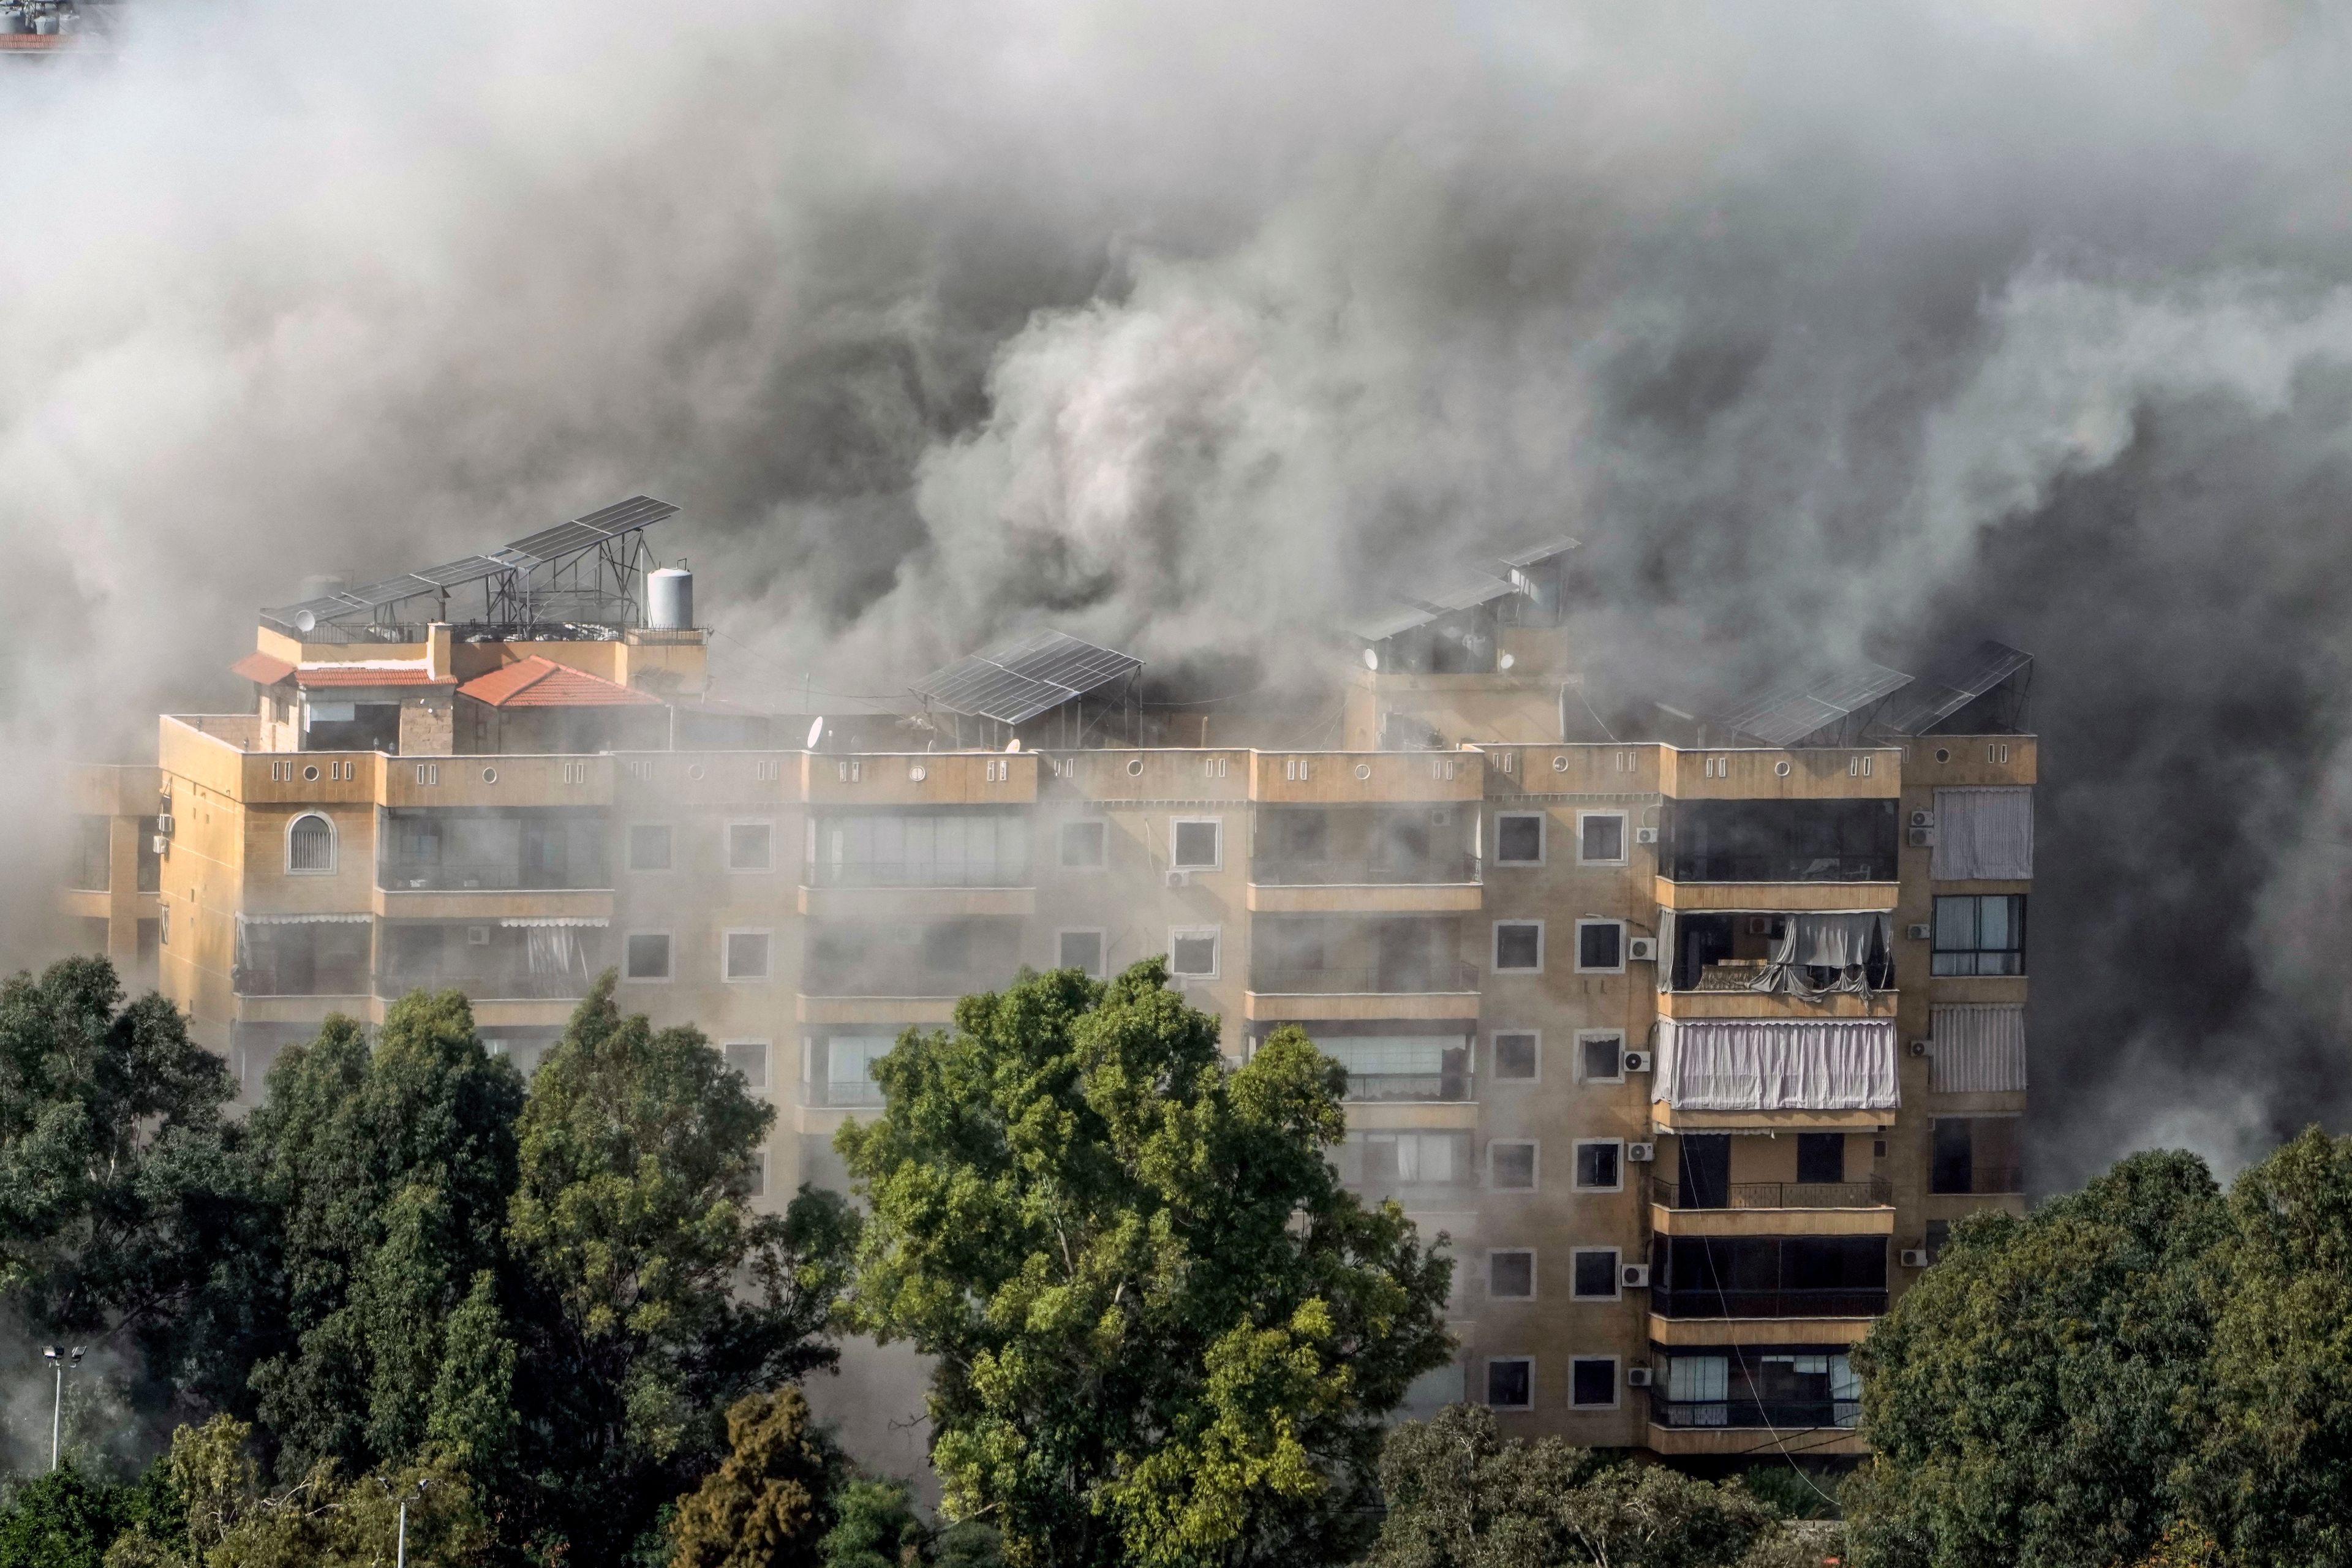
1693 1050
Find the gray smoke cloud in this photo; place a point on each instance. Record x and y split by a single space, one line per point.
1829 330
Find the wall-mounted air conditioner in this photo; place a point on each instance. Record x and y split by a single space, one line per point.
1922 837
1637 1061
166 824
1923 819
1633 1276
1921 1048
1642 949
162 845
1441 816
1637 1377
1914 1257
1919 931
1645 836
1641 1154
1179 879
477 936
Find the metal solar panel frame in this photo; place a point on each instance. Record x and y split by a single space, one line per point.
1944 691
1542 550
1017 680
1785 714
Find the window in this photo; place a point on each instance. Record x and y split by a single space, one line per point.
759 1174
751 847
749 1058
747 954
1518 947
1974 1155
1519 838
1085 845
1821 1157
1595 1274
1511 1383
1939 1236
1517 1058
1414 1159
1592 1381
646 956
1079 950
1602 1057
1192 953
95 871
1197 845
650 847
1599 1164
1511 1165
1980 935
1601 837
311 843
1511 1275
1600 947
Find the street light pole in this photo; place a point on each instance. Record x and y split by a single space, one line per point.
400 1549
61 1361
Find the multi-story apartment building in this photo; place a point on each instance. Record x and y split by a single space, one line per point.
1693 1044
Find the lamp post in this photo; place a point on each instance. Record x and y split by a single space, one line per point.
61 1360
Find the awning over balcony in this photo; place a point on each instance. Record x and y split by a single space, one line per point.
1776 1064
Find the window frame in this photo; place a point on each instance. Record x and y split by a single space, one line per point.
1102 951
1584 923
1585 1037
1488 1394
1616 1382
629 849
1101 825
1495 1054
1624 836
727 955
1216 934
334 845
1616 1273
1175 827
1543 836
1576 1173
1533 1146
1975 953
767 1049
669 959
727 846
1495 948
1534 1290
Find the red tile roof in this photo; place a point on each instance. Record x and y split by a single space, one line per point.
366 674
538 682
261 669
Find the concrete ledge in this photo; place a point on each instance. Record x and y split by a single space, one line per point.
1367 898
1269 1007
1772 1222
915 903
1759 1330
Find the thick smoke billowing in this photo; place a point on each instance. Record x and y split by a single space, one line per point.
1828 329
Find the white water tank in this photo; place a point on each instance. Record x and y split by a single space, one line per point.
669 599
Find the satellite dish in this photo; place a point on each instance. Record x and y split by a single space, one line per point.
816 732
1371 658
304 621
1505 661
1014 744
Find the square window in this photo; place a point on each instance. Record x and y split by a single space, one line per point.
1821 1157
1511 1166
1198 845
650 847
751 847
1511 1383
1518 946
1602 1057
1592 1381
1192 955
747 954
1511 1276
1081 950
1596 1274
647 956
1602 837
1980 934
1085 845
1601 945
1599 1164
749 1058
1517 1059
1519 838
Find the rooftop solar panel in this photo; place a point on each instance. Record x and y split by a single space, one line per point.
1015 681
1946 689
1786 714
1540 550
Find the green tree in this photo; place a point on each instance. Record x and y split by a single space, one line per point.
64 1519
2030 1399
390 1166
769 1503
875 1526
1164 1333
655 1298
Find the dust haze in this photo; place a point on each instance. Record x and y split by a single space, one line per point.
1829 330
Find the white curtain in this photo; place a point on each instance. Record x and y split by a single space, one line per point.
1843 942
1775 1064
1983 835
1978 1049
555 950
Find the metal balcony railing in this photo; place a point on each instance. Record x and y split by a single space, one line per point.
1782 1413
1873 1193
833 1093
1779 1303
1419 979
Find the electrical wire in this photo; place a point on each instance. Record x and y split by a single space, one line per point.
1723 1299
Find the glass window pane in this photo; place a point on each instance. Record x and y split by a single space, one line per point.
1600 946
1604 838
1196 843
1596 1273
1518 945
1519 840
1514 1167
1511 1276
1514 1055
1082 950
1510 1384
1956 925
1993 925
1604 1058
749 1058
1593 1381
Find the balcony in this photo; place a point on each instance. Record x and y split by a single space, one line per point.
1977 1180
1426 979
1778 1275
1874 1193
1778 841
1795 1414
1768 1303
522 849
537 963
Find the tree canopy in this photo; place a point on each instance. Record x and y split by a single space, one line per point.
1165 1334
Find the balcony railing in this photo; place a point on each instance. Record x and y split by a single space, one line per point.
486 985
489 877
984 873
1437 870
836 1092
1410 1086
1400 980
1978 1180
1783 1303
1874 1193
1782 1413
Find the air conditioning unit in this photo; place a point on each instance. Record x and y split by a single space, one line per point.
1921 1048
1923 819
1642 949
477 936
163 845
1923 837
166 826
1441 816
1637 1061
1919 931
1641 1154
1179 879
1645 836
1637 1377
1633 1276
1914 1257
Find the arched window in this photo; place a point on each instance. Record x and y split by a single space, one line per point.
311 843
